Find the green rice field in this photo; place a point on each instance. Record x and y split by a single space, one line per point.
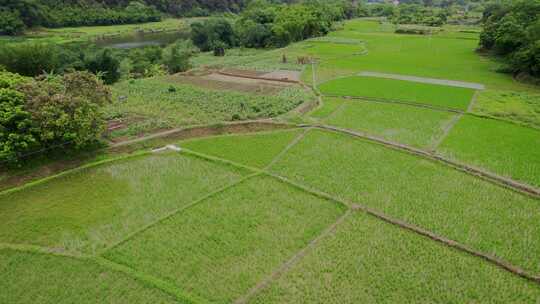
356 200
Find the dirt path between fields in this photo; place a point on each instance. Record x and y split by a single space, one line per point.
446 82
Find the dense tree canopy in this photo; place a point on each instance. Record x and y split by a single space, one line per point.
512 29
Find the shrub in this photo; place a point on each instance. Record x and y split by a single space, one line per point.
176 56
103 63
31 58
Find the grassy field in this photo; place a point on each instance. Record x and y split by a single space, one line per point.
255 150
504 148
390 89
405 124
39 278
440 199
366 261
155 104
93 208
248 232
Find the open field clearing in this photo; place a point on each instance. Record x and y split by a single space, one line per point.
367 261
461 207
40 278
414 126
223 246
256 150
399 90
91 209
156 104
424 56
504 148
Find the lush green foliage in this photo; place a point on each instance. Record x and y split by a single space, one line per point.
256 150
28 13
248 232
50 112
104 64
31 58
402 123
505 148
367 261
380 88
92 209
213 34
69 280
17 132
512 29
438 198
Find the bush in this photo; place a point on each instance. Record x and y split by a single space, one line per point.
176 56
206 34
31 58
104 64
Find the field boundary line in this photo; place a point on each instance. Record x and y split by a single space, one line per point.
448 128
43 250
150 281
175 212
418 230
334 113
292 261
293 143
446 131
413 228
395 101
241 134
450 243
496 179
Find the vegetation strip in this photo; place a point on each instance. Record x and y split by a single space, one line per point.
414 104
413 228
446 82
174 212
151 280
488 176
292 261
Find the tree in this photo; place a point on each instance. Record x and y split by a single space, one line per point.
66 110
11 23
104 64
17 133
207 34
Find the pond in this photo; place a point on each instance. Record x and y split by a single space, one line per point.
141 39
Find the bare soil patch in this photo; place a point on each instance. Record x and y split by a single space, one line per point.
216 81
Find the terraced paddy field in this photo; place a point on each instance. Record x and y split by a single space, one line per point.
357 201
